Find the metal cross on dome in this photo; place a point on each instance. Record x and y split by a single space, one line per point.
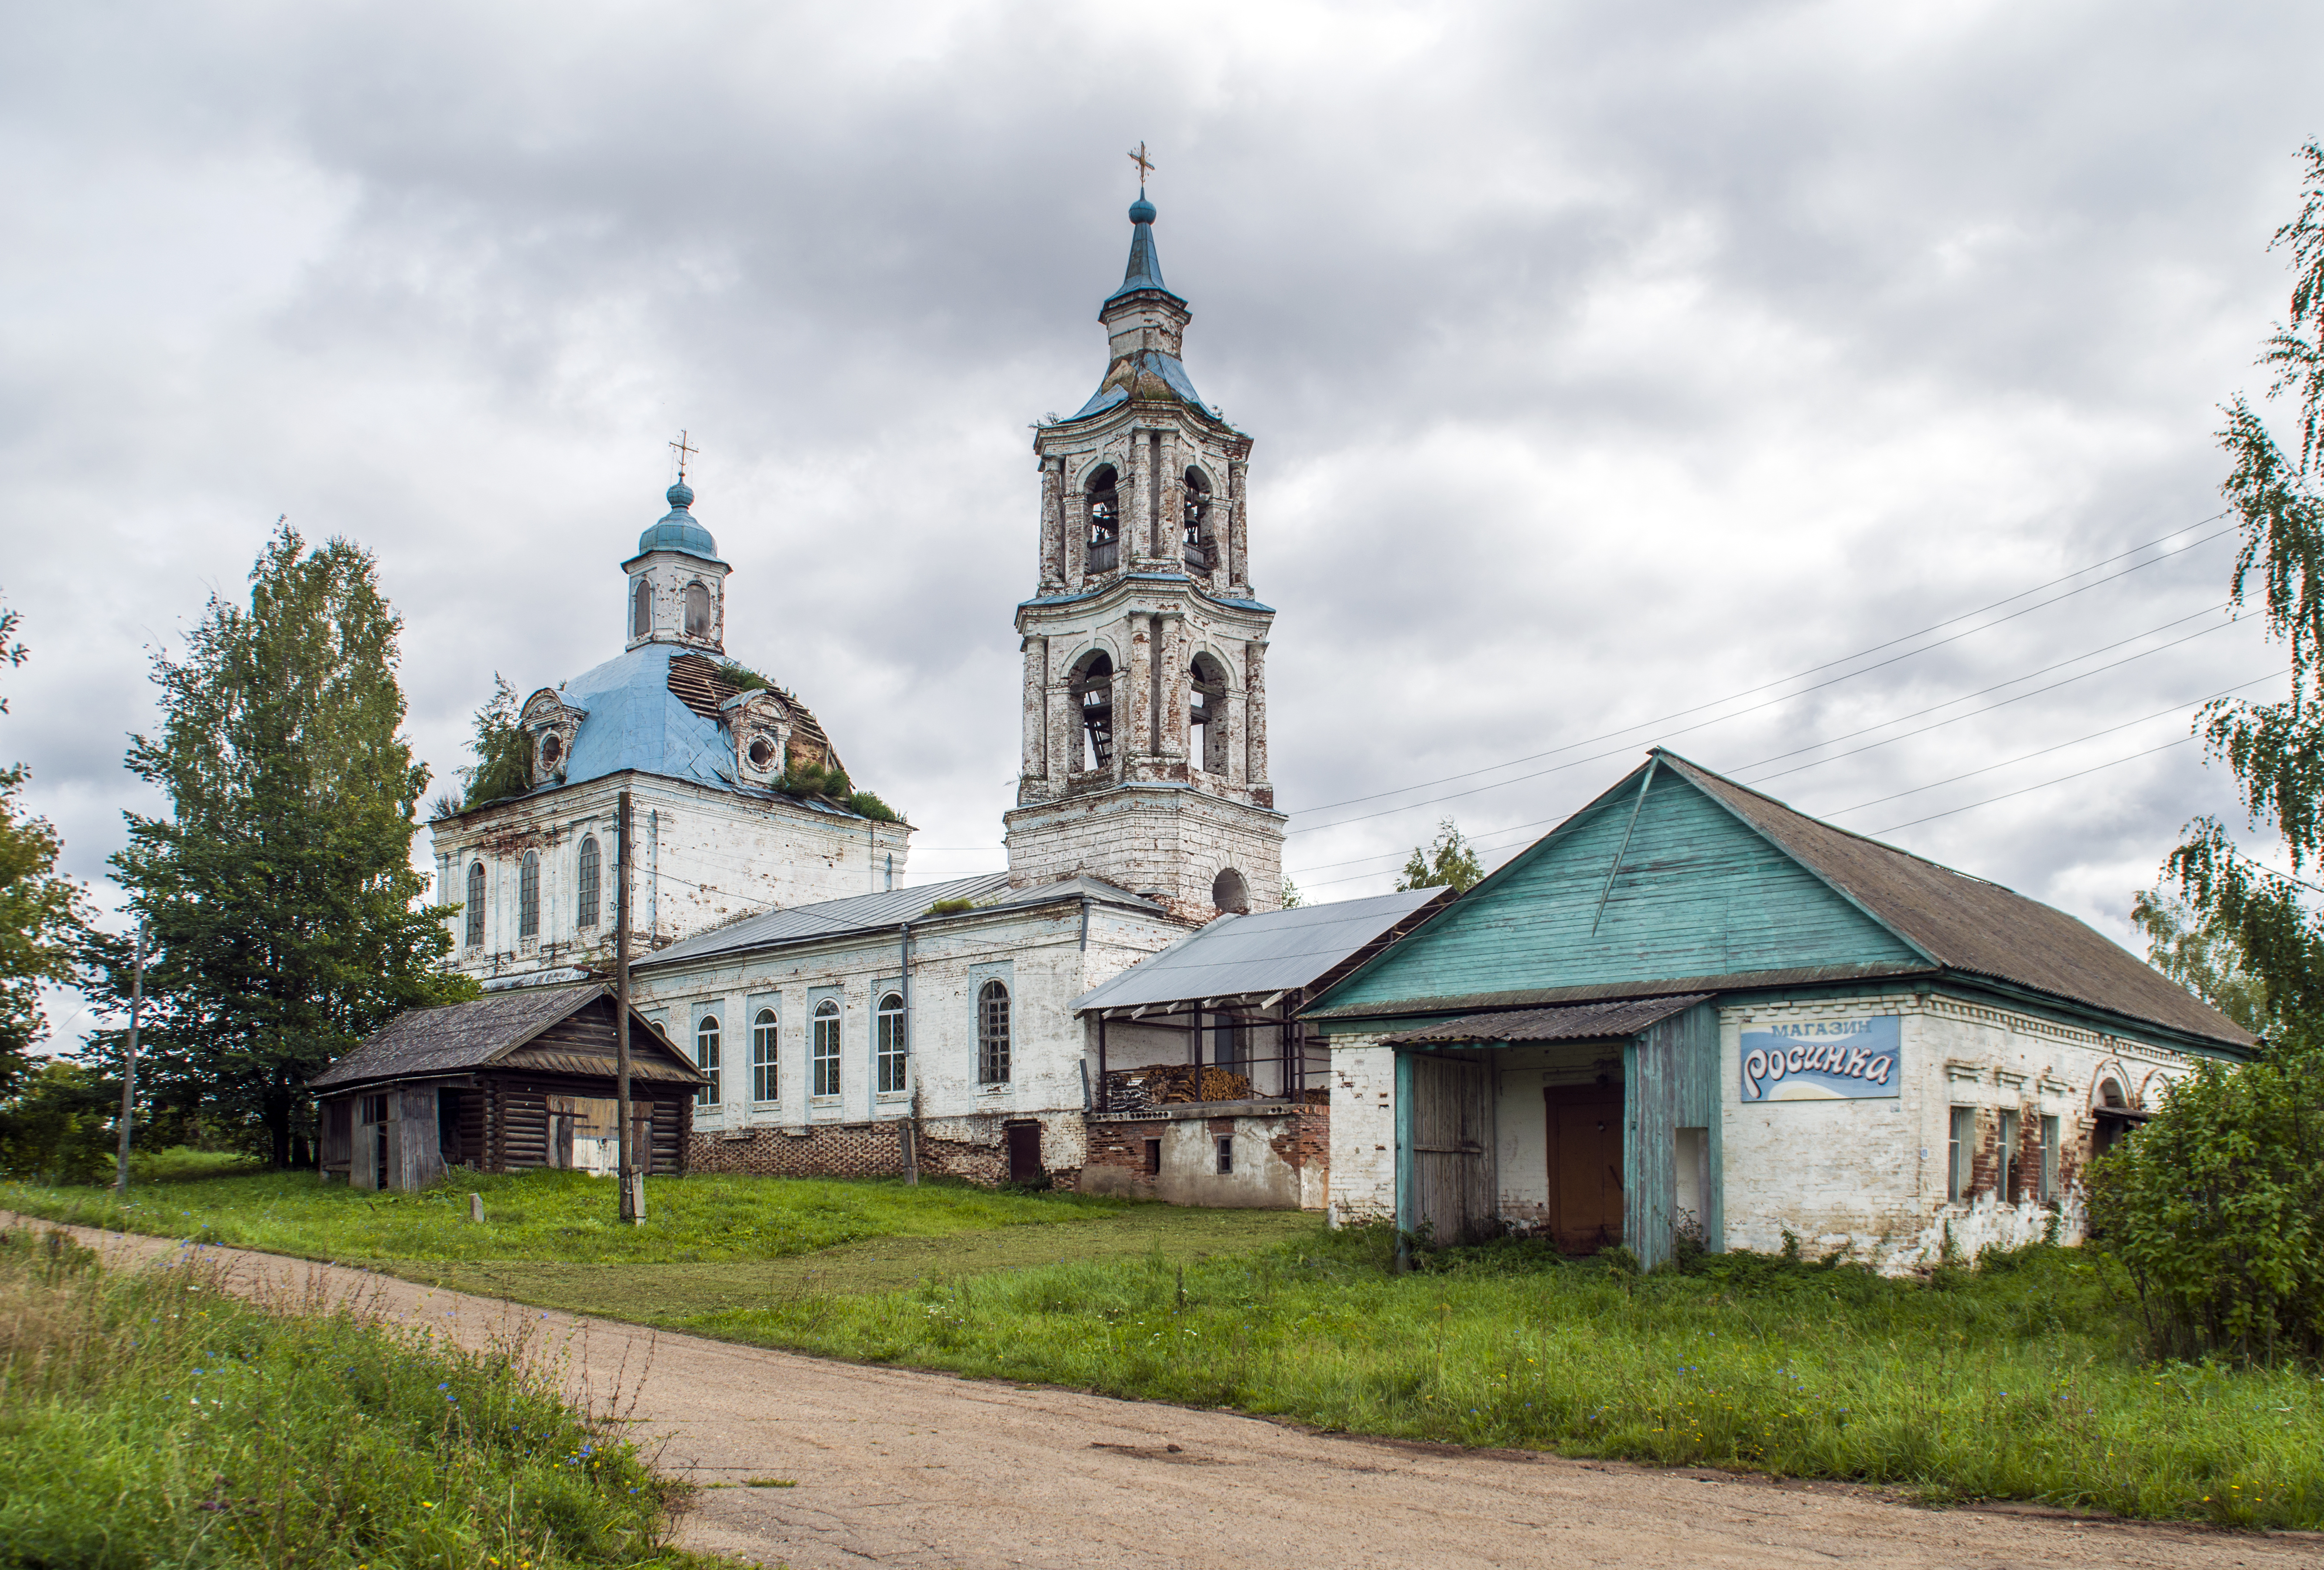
684 453
1145 164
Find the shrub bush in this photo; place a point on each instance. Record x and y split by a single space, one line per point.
2216 1209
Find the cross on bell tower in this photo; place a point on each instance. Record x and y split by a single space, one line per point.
1145 720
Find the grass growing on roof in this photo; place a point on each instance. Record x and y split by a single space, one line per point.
151 1419
2022 1380
549 1215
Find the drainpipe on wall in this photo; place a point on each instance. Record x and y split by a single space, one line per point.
911 1135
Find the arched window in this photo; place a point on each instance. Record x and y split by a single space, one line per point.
1202 555
585 879
697 610
826 1048
705 1058
475 935
552 752
892 1060
641 609
1092 685
1206 715
528 895
1101 503
1229 892
766 1081
992 1034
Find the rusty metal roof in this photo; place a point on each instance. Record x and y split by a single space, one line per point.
1968 924
1581 1022
473 1035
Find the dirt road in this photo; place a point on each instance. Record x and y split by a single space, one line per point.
908 1469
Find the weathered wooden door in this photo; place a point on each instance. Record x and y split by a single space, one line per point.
1585 1166
1024 1152
1452 1149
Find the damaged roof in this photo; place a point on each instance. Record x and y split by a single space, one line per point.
860 913
1254 956
461 1036
1581 1022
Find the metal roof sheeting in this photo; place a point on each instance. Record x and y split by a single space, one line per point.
1255 955
1583 1022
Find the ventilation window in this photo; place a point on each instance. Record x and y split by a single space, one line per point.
1206 715
552 752
1226 1155
761 754
641 609
585 874
705 1058
1101 502
1202 555
766 1081
528 895
475 933
892 1059
697 610
1091 685
992 1034
826 1048
1153 1158
1230 893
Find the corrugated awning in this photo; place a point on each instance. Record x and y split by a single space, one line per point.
1581 1022
1254 956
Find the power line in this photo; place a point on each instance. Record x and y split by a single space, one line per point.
2046 784
1937 627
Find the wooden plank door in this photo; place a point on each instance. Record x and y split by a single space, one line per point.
1452 1150
1585 1166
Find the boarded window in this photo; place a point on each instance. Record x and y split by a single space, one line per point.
641 609
585 876
992 1034
528 896
766 1079
826 1048
697 610
475 933
705 1058
893 1074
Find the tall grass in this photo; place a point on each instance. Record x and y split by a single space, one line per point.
546 1215
2022 1380
148 1418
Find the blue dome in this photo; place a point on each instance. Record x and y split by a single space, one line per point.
1141 211
676 529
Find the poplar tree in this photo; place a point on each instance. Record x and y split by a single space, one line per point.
285 914
2277 750
41 914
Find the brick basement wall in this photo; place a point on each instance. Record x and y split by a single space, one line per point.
853 1150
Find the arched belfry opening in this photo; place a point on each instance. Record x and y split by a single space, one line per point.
1093 690
1206 714
1230 893
1102 506
641 609
697 610
1201 551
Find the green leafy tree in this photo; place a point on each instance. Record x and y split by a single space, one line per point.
2200 955
503 753
1291 898
57 1125
1447 863
284 911
2275 750
41 914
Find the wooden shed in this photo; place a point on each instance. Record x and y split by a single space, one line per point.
515 1080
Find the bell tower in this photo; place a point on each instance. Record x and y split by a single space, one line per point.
1145 758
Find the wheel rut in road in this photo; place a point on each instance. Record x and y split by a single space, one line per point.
901 1467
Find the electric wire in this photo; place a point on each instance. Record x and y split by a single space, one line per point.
2046 784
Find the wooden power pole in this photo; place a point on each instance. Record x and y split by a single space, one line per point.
129 1061
626 1156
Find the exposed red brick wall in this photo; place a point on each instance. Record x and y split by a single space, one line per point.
1121 1146
846 1150
1304 1141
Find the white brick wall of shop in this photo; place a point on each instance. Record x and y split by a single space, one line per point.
1038 956
1363 1130
703 857
1869 1177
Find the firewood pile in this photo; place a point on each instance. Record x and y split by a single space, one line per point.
1136 1091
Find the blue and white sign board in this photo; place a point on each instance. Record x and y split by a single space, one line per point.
1823 1060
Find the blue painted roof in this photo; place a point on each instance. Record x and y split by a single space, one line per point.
636 721
1145 269
1148 366
677 530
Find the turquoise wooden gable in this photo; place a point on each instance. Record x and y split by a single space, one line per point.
1699 894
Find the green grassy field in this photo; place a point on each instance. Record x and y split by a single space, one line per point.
151 1420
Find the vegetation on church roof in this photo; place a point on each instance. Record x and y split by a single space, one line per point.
743 679
503 754
951 907
832 785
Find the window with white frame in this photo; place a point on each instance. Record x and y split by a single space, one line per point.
893 1064
2007 1183
1960 1151
475 933
827 1047
2049 1175
992 1034
585 879
765 1078
528 895
705 1058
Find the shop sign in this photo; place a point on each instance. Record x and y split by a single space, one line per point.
1823 1060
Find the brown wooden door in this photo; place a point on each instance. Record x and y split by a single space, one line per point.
1585 1166
1024 1152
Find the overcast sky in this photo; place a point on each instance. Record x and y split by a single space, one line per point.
1603 362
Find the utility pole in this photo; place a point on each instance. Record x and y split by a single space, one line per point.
626 1157
129 1061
